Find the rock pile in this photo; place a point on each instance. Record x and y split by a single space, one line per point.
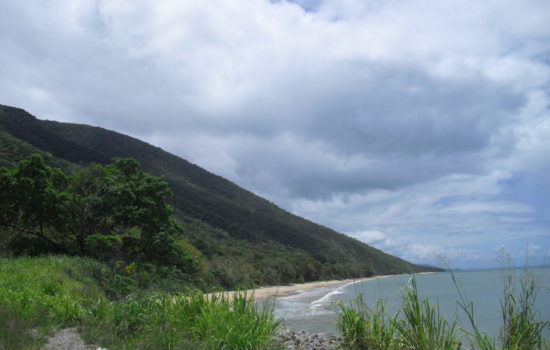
302 340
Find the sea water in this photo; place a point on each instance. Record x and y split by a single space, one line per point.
314 311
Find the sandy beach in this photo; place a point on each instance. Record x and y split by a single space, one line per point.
277 291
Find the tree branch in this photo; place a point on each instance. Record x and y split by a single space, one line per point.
37 234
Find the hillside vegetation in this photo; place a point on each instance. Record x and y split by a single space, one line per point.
41 295
244 240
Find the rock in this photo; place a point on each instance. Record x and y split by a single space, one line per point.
302 340
67 339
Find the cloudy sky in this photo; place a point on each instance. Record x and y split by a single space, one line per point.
421 127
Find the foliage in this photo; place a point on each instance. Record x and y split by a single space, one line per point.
422 327
31 200
364 328
47 293
41 293
12 150
244 239
521 329
110 212
171 320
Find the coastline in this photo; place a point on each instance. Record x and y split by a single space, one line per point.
280 291
286 290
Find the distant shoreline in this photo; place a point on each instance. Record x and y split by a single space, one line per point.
280 291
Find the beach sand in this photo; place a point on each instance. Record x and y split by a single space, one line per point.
278 291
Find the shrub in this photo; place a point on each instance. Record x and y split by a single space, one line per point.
363 328
53 292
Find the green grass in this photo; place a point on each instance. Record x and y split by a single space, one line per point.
364 328
420 326
175 321
521 329
423 327
42 295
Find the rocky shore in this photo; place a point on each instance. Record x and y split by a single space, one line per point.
302 340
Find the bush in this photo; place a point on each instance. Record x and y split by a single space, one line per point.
104 247
53 292
363 328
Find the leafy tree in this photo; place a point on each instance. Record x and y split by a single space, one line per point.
116 199
32 199
111 212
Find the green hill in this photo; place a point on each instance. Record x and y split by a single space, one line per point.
244 238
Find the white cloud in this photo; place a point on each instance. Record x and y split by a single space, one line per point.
422 120
370 237
433 253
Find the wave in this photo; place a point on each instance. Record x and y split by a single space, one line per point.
326 300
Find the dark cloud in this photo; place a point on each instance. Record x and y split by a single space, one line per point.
392 126
400 122
392 110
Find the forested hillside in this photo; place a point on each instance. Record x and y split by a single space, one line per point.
244 239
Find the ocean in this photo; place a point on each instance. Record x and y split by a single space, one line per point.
313 310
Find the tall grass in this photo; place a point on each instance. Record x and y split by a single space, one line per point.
423 326
419 325
521 329
41 295
364 328
173 321
37 293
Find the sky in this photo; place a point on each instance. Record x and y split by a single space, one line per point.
420 127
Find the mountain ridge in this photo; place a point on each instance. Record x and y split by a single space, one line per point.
261 242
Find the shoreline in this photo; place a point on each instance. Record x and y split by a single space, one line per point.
286 290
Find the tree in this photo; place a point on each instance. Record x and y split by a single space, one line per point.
116 199
31 201
111 212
